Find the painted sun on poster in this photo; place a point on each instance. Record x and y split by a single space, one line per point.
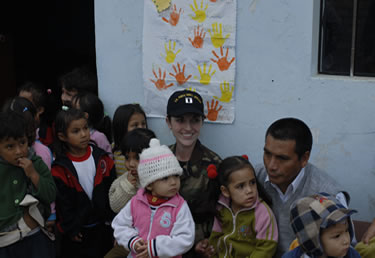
190 44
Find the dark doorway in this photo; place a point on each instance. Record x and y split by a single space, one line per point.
46 40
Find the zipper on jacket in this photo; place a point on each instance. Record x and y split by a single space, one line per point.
234 216
153 212
227 252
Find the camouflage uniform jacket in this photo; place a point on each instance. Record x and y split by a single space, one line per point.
196 187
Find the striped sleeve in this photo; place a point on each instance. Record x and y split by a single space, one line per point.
151 246
124 232
265 223
132 243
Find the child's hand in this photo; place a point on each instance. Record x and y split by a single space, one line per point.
139 246
143 252
132 179
77 238
50 225
27 166
204 248
29 169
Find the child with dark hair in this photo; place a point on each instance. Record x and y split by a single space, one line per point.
126 186
41 99
100 124
323 227
25 108
27 190
157 221
125 119
244 225
83 174
80 80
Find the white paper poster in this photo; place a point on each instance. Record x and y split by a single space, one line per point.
190 44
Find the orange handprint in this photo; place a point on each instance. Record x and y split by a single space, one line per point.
222 62
213 112
180 75
198 38
160 82
174 16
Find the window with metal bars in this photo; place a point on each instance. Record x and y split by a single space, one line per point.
347 37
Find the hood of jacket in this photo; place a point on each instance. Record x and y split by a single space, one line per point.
310 214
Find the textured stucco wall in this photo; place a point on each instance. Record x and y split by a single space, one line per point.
276 77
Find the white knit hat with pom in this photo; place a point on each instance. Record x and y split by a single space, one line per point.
157 162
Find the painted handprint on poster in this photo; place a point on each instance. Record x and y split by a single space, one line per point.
180 75
205 75
199 12
191 45
170 54
213 110
226 93
222 62
199 36
160 81
216 34
174 16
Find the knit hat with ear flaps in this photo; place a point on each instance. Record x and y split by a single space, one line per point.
310 214
157 162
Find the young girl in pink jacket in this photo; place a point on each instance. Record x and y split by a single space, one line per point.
157 220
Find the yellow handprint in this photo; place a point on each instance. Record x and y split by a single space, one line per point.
217 38
200 14
205 76
226 94
170 54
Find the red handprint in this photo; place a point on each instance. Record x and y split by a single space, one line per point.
160 82
174 16
222 62
213 112
198 38
213 1
180 75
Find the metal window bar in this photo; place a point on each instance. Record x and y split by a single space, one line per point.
354 30
321 29
353 39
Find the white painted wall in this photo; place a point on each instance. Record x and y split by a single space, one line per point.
276 77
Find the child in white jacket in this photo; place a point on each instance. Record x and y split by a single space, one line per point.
157 221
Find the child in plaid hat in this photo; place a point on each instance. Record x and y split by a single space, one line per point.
157 220
323 228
